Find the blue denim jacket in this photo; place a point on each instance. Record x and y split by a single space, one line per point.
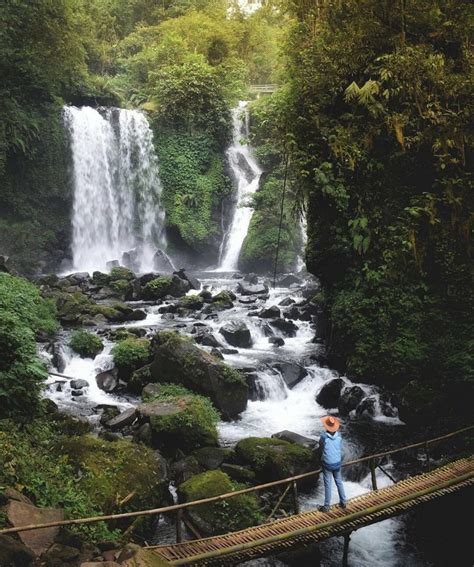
331 455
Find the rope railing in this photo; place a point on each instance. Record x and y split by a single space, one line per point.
179 508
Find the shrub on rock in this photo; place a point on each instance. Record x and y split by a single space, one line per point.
215 518
130 355
86 344
180 419
178 360
120 273
272 459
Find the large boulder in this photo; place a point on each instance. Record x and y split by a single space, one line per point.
296 438
350 399
193 282
180 420
292 373
288 328
272 459
249 289
107 380
178 360
237 334
215 518
328 396
165 285
272 312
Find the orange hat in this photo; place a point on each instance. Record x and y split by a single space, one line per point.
331 423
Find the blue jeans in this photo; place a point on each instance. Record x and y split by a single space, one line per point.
327 474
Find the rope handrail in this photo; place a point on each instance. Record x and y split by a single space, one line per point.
185 505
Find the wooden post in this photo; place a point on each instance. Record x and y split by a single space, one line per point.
345 554
372 474
179 526
296 504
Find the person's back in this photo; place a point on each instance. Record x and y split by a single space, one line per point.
332 450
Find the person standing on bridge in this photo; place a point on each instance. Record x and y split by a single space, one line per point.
330 449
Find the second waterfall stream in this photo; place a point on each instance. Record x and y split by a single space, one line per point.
246 173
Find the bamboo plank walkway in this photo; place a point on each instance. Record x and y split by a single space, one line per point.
315 526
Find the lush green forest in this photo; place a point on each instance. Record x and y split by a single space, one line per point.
366 141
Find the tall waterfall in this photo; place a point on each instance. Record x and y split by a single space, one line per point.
247 176
116 188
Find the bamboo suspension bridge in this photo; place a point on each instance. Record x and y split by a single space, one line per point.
303 528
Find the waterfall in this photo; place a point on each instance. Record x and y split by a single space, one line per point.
247 176
116 188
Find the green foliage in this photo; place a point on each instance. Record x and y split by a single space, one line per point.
22 314
131 354
234 514
86 344
119 273
192 170
379 124
158 288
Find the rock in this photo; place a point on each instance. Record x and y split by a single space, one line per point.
13 553
112 264
367 407
135 556
270 313
131 260
161 262
77 393
179 422
125 418
108 413
78 384
288 328
248 300
292 437
238 473
10 493
160 287
211 458
210 340
251 278
292 373
273 459
288 280
5 265
236 334
22 514
350 399
193 282
328 396
229 351
286 302
257 289
151 391
217 353
178 360
277 341
78 277
214 518
107 380
184 469
59 555
144 434
100 564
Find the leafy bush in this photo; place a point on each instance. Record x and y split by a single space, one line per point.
132 353
86 344
22 314
157 288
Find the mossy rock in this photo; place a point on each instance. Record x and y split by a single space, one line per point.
234 514
273 459
100 279
108 472
139 379
157 288
120 273
211 458
86 344
178 360
121 287
180 420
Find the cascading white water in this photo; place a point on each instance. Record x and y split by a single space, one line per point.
116 187
247 176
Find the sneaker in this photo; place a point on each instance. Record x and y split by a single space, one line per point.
323 508
342 505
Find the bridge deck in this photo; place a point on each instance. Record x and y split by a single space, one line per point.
316 526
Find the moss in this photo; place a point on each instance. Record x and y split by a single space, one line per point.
219 517
86 344
121 273
157 288
131 354
139 379
272 459
192 425
109 472
120 286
